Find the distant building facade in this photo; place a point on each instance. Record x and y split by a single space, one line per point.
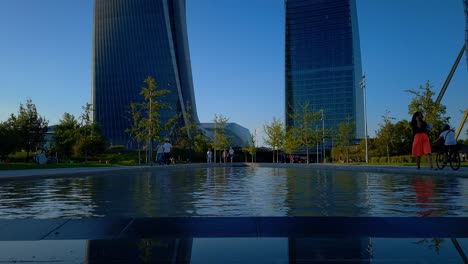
240 136
323 61
134 39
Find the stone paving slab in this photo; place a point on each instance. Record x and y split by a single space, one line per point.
191 227
94 228
210 227
29 229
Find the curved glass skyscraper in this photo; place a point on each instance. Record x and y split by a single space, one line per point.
466 31
134 39
323 61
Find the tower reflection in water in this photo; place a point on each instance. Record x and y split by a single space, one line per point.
139 251
229 250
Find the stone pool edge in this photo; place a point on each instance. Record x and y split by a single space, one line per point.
7 175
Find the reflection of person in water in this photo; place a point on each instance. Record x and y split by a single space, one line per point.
424 188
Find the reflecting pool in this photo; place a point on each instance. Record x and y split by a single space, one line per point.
235 191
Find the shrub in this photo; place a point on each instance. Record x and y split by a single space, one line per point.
127 162
396 159
410 159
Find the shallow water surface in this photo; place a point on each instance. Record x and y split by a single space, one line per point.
235 191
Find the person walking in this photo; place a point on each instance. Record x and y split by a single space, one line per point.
159 154
231 154
421 144
167 152
208 155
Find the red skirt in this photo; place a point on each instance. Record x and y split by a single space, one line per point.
421 144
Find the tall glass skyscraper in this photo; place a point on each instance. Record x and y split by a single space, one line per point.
466 31
323 61
134 39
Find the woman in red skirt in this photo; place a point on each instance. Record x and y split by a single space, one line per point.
421 144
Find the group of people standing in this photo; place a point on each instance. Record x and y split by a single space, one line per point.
421 143
163 152
228 155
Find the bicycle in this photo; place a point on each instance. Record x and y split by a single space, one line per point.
453 158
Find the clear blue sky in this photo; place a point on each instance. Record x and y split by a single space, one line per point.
237 54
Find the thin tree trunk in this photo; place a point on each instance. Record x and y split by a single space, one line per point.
388 154
347 154
139 155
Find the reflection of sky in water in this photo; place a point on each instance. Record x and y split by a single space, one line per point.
236 191
49 198
237 250
248 194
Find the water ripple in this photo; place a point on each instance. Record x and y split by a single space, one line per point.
236 192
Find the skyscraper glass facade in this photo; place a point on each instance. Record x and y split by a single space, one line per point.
466 31
323 61
134 39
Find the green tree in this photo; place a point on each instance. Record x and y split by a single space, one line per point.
85 129
403 139
153 106
252 149
90 140
274 136
8 139
188 131
385 136
146 116
433 112
344 135
292 141
136 131
31 127
248 147
201 142
220 139
305 119
66 135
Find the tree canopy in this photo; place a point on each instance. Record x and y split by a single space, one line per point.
274 136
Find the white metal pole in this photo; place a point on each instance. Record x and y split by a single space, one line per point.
317 160
323 137
150 135
363 86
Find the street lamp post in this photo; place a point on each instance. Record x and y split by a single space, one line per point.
317 160
363 86
323 136
150 148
